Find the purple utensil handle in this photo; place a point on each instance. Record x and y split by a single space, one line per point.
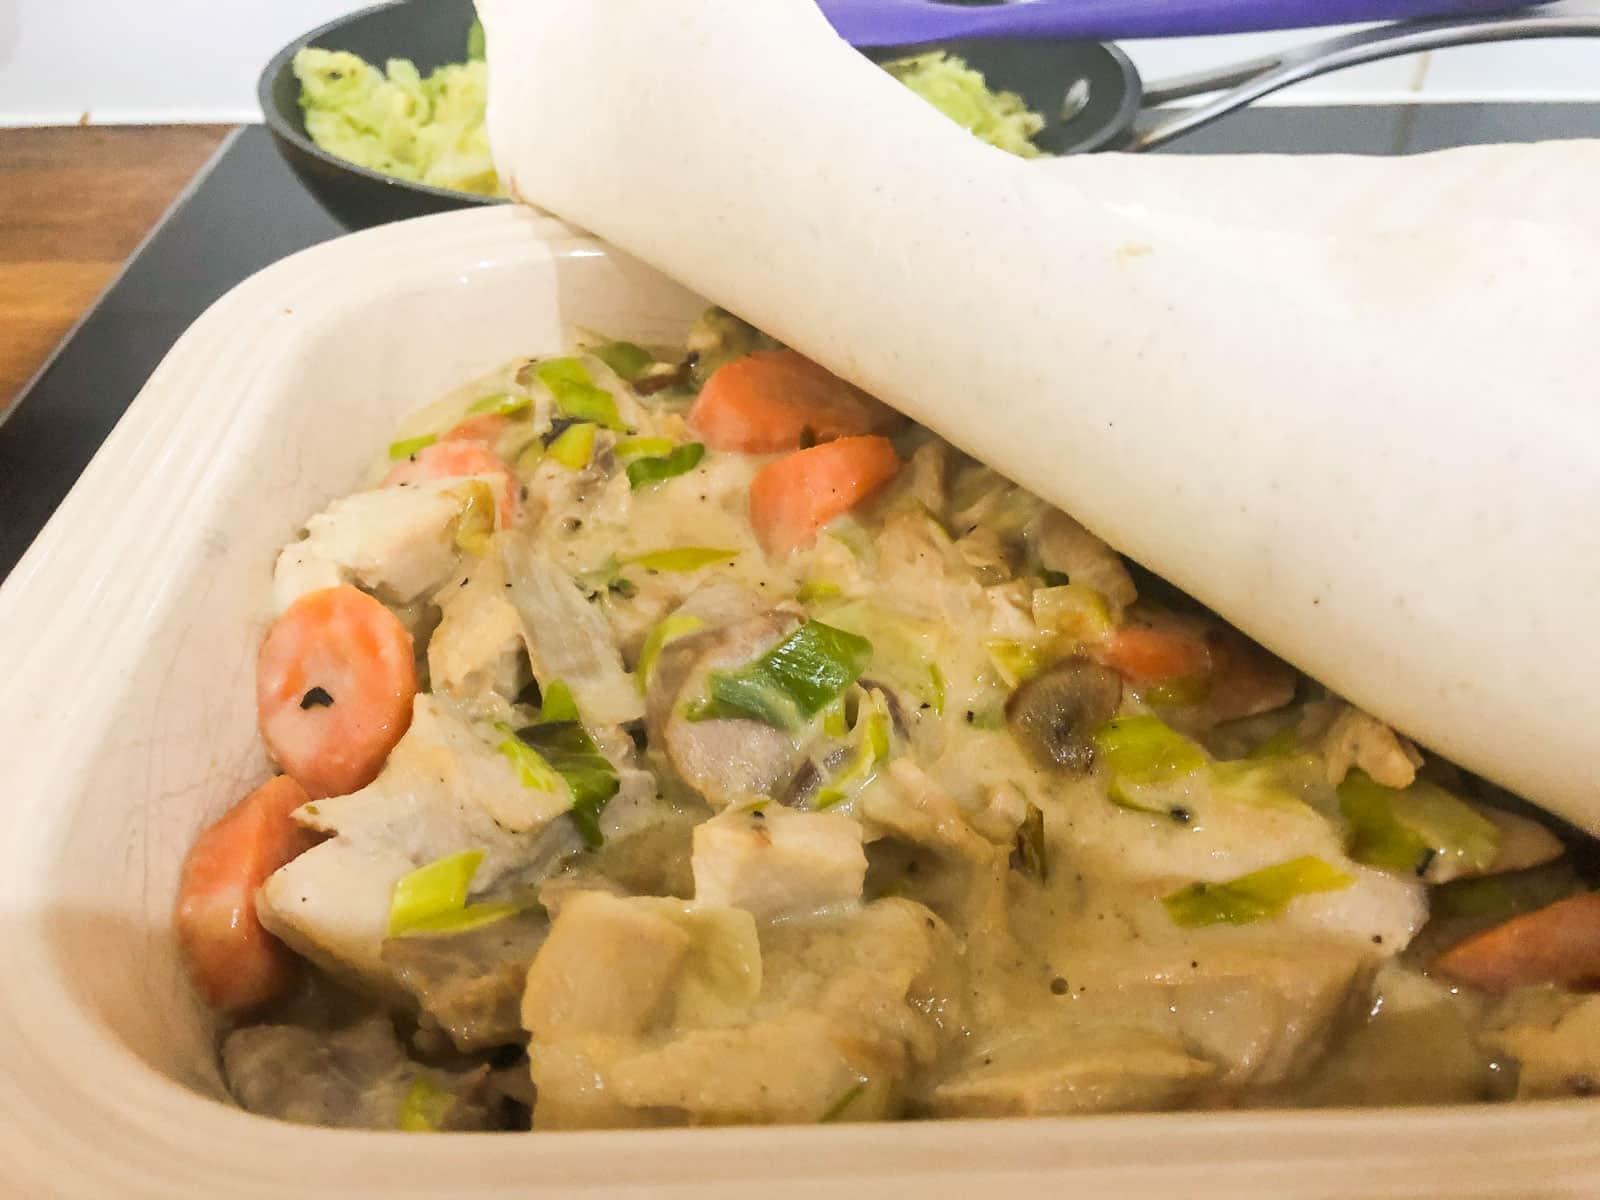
908 22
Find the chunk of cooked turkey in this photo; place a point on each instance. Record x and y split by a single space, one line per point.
443 790
789 1069
396 542
715 977
1065 546
853 1003
478 646
1555 1039
1266 1013
1355 739
775 862
727 760
914 807
607 967
353 1078
1417 1044
1229 835
972 892
1106 1071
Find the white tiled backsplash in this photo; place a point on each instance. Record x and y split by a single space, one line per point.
194 60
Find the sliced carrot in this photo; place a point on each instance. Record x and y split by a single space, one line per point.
795 496
237 965
1558 944
334 684
771 400
1145 655
483 428
452 460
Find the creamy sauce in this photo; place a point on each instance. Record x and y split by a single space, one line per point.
947 891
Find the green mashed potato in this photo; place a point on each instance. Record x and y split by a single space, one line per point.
430 129
963 95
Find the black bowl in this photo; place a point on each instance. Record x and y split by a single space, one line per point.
431 33
1088 92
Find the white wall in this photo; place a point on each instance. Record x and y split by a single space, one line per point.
197 60
143 60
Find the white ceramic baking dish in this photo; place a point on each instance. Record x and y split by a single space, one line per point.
127 643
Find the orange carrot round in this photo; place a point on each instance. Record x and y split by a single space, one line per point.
795 496
1145 655
334 683
1557 944
772 400
483 428
235 964
455 459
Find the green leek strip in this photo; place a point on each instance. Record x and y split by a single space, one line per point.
641 447
667 630
1272 782
1406 830
875 729
792 682
1283 744
409 446
502 404
682 559
849 532
845 1099
642 472
1498 897
1253 897
532 769
817 589
476 43
1073 609
607 577
425 1107
530 456
557 703
576 395
1479 898
1142 755
566 747
465 920
1017 662
905 649
476 521
988 718
834 722
432 891
626 359
573 447
935 692
562 370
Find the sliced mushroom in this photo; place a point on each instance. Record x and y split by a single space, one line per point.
1053 714
725 759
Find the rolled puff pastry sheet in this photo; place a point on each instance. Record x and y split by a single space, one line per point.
1352 404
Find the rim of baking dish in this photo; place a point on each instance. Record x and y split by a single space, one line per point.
81 1114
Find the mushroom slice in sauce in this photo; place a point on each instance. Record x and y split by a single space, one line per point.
1053 714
